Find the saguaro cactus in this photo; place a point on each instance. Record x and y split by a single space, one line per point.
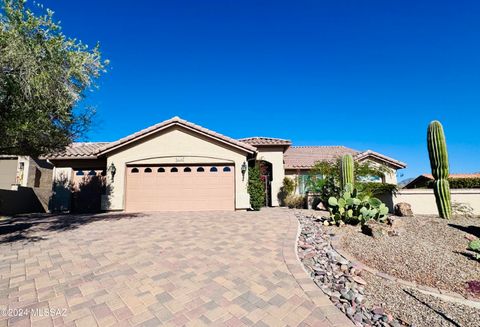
347 170
437 151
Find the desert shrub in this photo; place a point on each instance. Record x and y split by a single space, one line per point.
462 209
295 201
376 189
464 182
287 189
354 207
325 188
256 188
460 183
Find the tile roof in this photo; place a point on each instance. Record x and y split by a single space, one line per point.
305 157
260 140
85 150
79 150
179 122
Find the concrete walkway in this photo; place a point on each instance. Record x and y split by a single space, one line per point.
176 269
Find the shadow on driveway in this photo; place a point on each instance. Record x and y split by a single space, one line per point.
23 227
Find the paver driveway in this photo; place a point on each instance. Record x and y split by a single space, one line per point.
194 269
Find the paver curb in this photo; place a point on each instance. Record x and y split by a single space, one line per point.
303 279
443 294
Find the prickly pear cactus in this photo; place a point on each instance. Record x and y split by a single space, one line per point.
437 151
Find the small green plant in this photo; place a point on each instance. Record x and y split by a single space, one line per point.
287 189
295 201
256 188
347 170
475 247
437 151
354 207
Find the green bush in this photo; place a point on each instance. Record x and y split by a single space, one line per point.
287 189
460 183
354 207
256 188
295 201
376 189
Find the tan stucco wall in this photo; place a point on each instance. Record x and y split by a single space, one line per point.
274 155
8 171
423 200
174 145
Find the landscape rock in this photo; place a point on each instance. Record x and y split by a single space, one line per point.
337 277
403 209
375 229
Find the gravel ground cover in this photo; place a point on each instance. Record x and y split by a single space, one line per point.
368 299
430 251
415 307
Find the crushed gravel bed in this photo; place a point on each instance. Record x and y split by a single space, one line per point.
415 307
430 251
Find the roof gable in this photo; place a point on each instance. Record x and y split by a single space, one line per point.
175 121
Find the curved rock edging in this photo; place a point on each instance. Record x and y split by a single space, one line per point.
335 242
337 278
302 277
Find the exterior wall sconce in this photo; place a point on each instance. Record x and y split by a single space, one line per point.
112 170
244 170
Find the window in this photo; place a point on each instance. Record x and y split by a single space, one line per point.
226 169
134 170
308 183
200 169
213 169
174 170
160 170
148 170
92 173
80 173
187 170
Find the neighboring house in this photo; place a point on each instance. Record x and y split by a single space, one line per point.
176 165
25 184
424 180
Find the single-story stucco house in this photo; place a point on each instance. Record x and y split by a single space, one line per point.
177 165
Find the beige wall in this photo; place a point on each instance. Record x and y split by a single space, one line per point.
423 200
174 145
274 155
8 172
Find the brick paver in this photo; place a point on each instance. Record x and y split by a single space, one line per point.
176 269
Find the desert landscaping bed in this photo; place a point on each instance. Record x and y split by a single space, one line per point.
370 300
429 251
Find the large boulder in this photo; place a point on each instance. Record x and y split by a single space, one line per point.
403 209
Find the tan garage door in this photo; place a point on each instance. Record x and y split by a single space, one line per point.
180 188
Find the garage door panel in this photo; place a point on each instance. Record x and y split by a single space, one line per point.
182 190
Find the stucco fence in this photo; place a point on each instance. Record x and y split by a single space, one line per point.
423 200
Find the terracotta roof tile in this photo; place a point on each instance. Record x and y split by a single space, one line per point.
384 158
305 157
79 150
259 140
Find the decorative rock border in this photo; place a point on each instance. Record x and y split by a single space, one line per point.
300 274
336 277
335 242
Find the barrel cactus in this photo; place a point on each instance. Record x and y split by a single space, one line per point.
437 151
347 170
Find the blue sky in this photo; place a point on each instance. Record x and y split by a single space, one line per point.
364 74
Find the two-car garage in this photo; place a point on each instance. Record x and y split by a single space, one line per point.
180 188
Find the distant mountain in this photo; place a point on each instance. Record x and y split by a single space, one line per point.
405 182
